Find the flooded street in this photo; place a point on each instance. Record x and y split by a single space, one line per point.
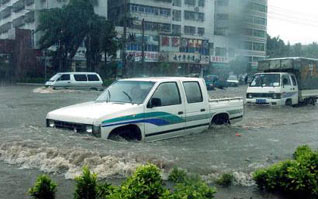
265 136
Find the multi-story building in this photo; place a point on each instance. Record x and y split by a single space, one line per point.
239 31
186 32
24 14
175 31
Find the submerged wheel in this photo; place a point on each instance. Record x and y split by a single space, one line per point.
289 102
220 119
129 133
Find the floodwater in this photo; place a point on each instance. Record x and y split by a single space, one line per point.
27 147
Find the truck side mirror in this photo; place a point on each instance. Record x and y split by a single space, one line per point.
154 102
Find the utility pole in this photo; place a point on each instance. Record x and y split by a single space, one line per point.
124 69
143 47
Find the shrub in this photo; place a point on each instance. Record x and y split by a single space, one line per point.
44 188
297 177
194 188
225 180
177 175
145 183
104 190
86 185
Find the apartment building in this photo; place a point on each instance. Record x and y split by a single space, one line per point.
176 31
24 14
239 30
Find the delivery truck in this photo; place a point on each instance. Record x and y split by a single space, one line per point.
284 81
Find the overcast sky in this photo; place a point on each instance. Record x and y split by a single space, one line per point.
293 20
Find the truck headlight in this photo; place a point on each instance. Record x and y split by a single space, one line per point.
89 129
249 95
51 123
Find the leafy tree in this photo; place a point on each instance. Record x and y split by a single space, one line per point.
62 27
101 38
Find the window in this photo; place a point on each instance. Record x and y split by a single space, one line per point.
92 78
201 31
286 80
294 80
222 2
176 3
201 3
188 15
80 78
64 77
259 33
259 46
220 52
176 29
189 2
248 45
222 16
220 31
193 92
168 93
176 15
189 30
259 20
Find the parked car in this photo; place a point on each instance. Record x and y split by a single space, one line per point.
149 109
210 81
232 81
75 80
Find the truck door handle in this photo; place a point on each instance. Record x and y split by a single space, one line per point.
68 82
202 110
180 112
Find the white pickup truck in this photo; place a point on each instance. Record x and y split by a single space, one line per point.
149 109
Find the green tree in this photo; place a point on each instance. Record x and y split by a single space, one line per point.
62 27
101 38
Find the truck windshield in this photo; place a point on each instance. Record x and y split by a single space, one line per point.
133 92
266 80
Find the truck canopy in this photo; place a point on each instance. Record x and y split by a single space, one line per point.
305 69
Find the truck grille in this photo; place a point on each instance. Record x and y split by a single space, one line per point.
264 95
70 126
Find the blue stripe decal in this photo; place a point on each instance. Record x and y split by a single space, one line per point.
157 122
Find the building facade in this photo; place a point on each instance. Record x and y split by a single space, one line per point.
193 33
240 30
24 14
175 31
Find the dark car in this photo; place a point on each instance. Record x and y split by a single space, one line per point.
210 81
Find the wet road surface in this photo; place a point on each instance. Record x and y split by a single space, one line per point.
266 135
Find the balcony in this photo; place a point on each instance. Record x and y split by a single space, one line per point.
19 5
18 22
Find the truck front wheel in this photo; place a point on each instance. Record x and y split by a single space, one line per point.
129 133
289 102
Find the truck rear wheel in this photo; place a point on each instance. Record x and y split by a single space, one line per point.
220 119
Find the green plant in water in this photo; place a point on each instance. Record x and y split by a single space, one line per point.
44 188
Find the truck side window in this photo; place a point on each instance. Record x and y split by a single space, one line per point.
168 93
294 80
286 80
193 92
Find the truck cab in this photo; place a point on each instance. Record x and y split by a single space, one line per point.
273 88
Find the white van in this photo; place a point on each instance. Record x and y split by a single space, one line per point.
75 80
